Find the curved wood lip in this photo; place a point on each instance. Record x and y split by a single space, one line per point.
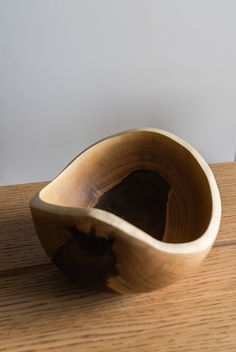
202 243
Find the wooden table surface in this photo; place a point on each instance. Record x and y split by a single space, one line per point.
40 310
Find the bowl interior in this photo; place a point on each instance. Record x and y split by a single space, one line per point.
147 178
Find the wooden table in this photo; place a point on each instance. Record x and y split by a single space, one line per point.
40 310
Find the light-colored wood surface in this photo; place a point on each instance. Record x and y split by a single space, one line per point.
40 310
225 175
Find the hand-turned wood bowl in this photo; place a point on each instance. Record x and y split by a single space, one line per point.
135 211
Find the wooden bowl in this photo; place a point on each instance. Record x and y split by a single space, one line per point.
136 211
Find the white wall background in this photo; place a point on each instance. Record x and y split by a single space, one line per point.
72 72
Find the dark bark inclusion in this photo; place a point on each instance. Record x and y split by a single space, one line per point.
86 259
141 199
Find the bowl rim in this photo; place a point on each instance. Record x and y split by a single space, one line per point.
202 243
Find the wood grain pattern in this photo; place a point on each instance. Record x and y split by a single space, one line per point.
225 175
19 245
41 311
17 231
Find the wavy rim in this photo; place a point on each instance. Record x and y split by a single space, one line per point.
202 243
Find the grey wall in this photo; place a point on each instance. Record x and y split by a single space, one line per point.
72 72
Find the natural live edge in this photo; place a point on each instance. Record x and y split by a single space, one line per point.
85 221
